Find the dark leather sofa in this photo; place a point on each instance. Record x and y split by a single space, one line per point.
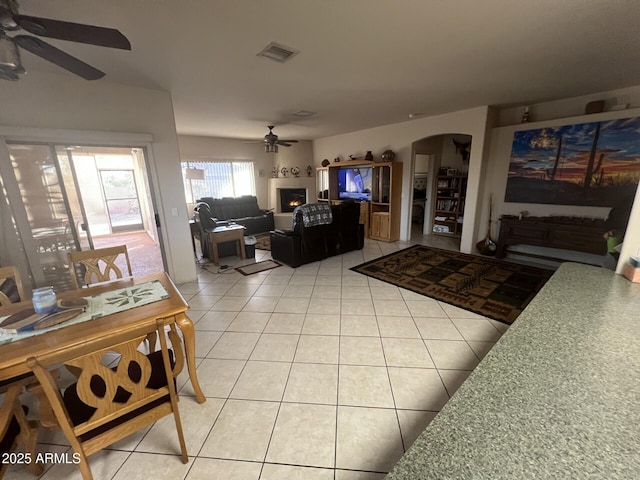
214 212
309 244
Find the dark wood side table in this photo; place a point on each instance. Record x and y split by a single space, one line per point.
227 234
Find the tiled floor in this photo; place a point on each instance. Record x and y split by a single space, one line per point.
310 373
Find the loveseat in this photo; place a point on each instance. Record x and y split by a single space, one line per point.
215 212
310 243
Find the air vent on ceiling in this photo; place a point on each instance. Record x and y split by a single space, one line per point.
278 52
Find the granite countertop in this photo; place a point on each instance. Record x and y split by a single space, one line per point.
558 397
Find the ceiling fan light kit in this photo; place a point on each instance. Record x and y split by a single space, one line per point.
11 21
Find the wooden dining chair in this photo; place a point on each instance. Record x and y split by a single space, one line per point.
98 264
9 276
108 404
15 429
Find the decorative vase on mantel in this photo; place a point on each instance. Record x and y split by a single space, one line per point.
369 155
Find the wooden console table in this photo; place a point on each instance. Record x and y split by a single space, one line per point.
568 233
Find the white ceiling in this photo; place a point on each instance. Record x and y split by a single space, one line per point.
362 63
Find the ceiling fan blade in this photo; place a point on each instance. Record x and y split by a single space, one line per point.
60 58
289 141
283 143
8 75
73 32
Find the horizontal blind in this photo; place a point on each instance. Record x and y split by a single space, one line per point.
221 179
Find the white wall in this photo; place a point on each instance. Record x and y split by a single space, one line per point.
52 101
400 137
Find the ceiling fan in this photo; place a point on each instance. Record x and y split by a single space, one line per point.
10 21
271 141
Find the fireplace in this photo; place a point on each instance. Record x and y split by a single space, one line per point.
290 198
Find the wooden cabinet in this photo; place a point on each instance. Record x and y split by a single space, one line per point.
381 215
449 204
386 192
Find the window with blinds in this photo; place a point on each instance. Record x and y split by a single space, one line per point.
221 179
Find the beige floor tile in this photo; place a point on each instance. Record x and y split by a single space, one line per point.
457 312
230 304
197 420
292 305
397 308
203 302
242 431
285 323
319 324
304 435
359 325
103 464
214 469
190 288
502 327
205 340
282 472
275 347
406 352
452 355
242 290
326 291
138 466
417 388
367 439
391 326
217 376
385 292
425 308
364 387
352 475
312 383
317 349
333 278
262 381
218 321
452 379
357 307
296 290
327 306
301 279
349 291
234 345
215 289
270 290
261 304
277 280
477 329
437 329
249 322
412 424
18 471
481 348
361 351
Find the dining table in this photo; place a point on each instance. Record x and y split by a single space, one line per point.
129 316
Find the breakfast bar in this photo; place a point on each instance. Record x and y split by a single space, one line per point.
557 397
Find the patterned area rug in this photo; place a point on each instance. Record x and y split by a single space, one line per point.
263 241
493 288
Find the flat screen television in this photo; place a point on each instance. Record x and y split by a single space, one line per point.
354 183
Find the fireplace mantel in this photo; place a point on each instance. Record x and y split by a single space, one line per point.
283 220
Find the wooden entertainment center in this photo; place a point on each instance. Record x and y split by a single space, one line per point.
380 212
567 233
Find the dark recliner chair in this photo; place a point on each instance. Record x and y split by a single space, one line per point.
306 244
216 212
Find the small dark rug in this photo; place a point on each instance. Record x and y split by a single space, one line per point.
263 241
258 267
489 287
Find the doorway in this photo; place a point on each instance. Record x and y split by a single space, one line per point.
55 199
439 174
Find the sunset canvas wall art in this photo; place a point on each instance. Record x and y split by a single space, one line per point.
595 163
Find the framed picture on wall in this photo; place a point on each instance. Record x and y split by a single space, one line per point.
595 164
